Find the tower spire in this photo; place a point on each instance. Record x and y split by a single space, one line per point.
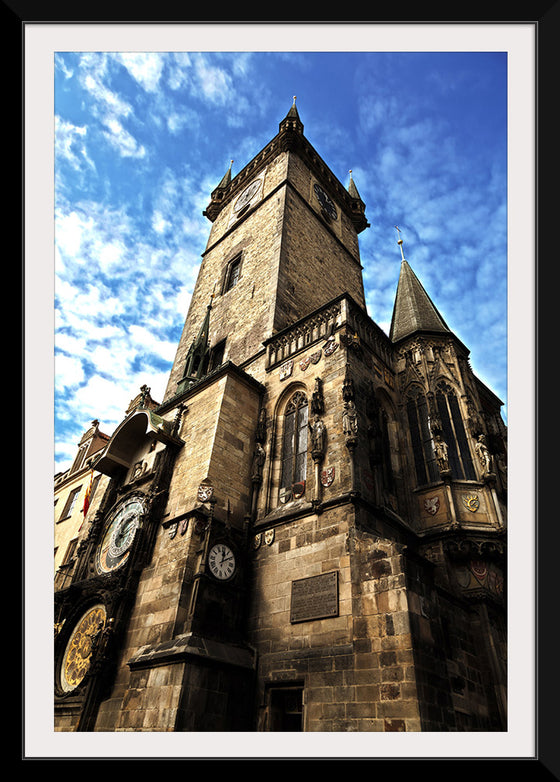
292 120
400 241
413 309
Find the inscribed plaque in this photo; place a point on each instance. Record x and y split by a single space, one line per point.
315 597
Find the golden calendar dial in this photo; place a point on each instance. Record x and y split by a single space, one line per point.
78 653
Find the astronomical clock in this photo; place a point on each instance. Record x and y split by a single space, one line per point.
91 613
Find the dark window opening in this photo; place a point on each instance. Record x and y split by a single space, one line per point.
294 444
217 356
233 274
70 503
460 462
286 709
421 438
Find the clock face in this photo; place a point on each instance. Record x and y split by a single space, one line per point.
221 561
247 196
115 546
77 655
326 203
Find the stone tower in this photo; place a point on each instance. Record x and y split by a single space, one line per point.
308 532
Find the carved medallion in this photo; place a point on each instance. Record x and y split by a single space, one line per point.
285 495
286 369
298 489
204 493
257 540
304 363
315 357
431 505
183 524
471 502
173 529
478 568
269 537
330 347
327 476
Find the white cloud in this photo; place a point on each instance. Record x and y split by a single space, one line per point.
69 372
108 100
179 70
121 139
213 83
70 144
145 67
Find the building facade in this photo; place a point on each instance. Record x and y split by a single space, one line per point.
308 533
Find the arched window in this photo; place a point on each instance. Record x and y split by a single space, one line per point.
294 445
453 432
388 478
421 438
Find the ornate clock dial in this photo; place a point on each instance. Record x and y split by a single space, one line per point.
115 546
326 203
221 561
76 660
247 196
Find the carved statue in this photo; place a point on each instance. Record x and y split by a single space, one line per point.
259 458
318 433
348 389
261 427
350 419
145 394
441 450
317 401
484 455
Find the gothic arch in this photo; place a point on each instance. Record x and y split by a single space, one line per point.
289 443
450 424
385 445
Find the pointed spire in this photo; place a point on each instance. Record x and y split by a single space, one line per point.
358 215
414 310
202 338
292 121
226 179
352 189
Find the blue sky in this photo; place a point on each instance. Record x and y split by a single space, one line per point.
142 138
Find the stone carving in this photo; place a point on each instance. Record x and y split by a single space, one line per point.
348 389
317 400
441 452
350 420
260 436
318 437
484 455
259 458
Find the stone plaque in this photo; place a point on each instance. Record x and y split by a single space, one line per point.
315 597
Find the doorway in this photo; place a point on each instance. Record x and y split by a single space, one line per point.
285 708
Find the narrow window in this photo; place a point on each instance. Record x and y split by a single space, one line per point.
79 460
294 445
421 438
386 450
217 356
233 274
460 461
70 503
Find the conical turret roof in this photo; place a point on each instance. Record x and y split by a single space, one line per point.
414 310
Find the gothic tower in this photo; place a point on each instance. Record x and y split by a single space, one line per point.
308 532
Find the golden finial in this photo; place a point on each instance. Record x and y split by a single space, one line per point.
400 241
